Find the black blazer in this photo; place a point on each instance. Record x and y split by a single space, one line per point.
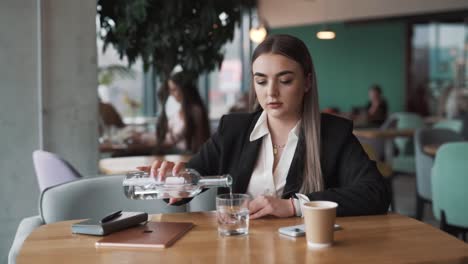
351 179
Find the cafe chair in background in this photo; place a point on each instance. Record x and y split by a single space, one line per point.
449 188
404 162
425 162
205 201
464 118
85 198
378 144
52 170
455 125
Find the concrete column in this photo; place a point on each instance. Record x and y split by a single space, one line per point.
69 93
70 82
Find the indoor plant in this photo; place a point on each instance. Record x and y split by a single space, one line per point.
166 33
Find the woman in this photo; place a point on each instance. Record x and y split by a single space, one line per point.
286 146
186 129
377 107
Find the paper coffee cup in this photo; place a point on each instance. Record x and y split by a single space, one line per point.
319 220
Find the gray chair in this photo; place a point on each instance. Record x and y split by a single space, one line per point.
455 125
205 201
378 144
87 198
424 162
405 162
464 118
449 181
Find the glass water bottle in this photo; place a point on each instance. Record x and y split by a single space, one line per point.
188 183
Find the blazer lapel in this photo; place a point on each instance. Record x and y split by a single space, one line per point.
295 173
247 163
248 159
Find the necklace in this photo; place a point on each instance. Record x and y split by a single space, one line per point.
276 147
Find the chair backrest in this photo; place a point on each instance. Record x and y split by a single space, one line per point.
52 170
424 162
449 184
464 118
205 201
453 124
406 121
94 198
390 122
378 144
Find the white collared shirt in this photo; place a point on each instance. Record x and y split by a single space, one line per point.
264 181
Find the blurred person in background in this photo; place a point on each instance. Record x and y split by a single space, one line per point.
112 129
377 109
183 126
442 101
109 116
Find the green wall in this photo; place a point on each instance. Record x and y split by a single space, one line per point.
360 55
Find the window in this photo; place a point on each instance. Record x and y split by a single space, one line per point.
121 87
225 85
438 55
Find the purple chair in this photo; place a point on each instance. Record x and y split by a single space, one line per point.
52 170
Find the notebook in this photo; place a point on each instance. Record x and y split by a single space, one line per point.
150 235
94 227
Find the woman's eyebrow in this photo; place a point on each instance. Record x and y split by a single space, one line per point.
281 73
260 74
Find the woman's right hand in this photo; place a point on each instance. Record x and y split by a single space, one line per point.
160 168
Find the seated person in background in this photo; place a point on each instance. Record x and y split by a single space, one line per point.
285 146
377 109
112 130
186 128
442 101
108 117
457 103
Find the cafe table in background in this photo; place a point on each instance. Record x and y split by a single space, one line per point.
122 165
431 149
125 149
430 120
388 238
388 135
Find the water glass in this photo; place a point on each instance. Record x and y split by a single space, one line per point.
233 214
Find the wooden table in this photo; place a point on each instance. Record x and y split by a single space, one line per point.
387 135
371 239
383 133
122 165
126 149
430 120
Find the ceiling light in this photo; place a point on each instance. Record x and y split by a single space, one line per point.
326 34
258 34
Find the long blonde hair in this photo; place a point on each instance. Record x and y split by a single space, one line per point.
294 49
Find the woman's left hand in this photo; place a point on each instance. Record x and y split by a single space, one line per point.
269 205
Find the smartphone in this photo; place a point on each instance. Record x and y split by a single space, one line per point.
297 230
294 231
